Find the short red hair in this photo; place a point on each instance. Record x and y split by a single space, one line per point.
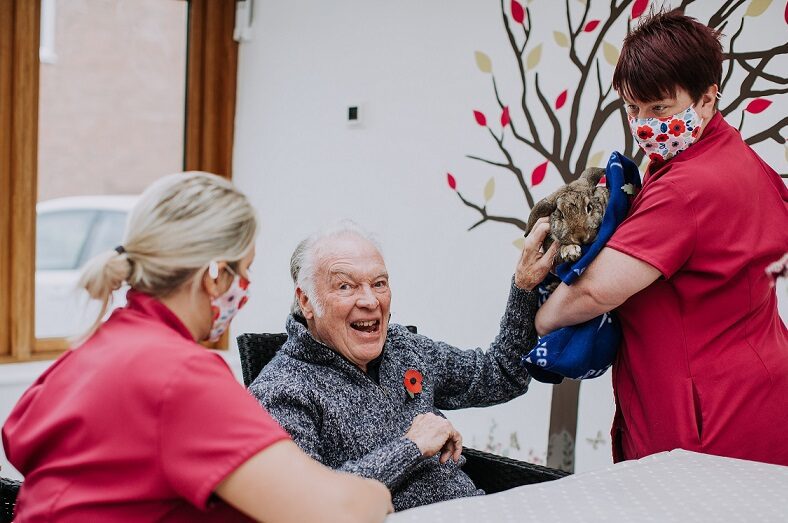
668 50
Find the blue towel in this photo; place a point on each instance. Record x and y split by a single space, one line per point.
586 350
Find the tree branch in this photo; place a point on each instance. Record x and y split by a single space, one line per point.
491 218
720 16
724 82
772 132
615 12
551 115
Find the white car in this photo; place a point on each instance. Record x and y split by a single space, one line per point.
70 231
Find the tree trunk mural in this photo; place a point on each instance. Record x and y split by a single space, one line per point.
569 150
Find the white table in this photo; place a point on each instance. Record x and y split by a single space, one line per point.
669 486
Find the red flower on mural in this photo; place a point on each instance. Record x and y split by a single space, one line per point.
590 26
645 132
561 100
505 117
518 13
480 118
662 137
757 105
676 127
639 7
452 182
538 174
412 382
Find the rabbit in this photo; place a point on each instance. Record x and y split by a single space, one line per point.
575 212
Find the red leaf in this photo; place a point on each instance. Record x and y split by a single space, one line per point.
452 181
590 26
638 7
786 12
538 175
603 180
758 105
505 117
518 13
561 100
480 118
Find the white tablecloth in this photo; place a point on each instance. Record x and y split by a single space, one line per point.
670 486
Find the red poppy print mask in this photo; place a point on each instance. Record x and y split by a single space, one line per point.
664 138
225 307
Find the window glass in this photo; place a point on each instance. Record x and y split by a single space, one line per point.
61 237
112 87
107 234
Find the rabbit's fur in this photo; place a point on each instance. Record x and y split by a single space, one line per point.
575 212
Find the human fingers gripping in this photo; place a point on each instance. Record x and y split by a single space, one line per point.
538 233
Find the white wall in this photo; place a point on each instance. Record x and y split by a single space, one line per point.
410 64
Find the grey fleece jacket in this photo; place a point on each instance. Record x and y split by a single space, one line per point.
343 418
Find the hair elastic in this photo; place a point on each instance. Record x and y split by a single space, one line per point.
120 249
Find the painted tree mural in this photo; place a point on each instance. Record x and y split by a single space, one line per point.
749 87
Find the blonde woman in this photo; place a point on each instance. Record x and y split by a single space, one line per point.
139 422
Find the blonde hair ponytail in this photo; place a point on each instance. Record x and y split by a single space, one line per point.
180 224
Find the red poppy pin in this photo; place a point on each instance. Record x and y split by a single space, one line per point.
413 382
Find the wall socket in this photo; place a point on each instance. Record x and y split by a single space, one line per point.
353 116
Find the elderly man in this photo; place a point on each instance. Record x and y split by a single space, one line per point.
361 395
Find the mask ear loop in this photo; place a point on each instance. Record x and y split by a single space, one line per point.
213 270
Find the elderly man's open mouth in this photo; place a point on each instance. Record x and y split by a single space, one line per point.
366 326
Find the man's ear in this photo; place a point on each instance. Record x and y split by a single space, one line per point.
306 305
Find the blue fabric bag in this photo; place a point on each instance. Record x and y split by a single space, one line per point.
586 350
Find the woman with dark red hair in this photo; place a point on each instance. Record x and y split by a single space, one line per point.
704 361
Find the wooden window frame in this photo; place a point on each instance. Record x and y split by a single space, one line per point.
211 76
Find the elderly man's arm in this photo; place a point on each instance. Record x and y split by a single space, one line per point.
475 378
301 418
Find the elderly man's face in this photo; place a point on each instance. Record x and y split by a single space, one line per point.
351 281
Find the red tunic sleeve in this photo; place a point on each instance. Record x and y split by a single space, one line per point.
661 229
208 426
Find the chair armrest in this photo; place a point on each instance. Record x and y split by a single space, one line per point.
493 473
9 490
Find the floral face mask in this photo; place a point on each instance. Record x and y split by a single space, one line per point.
225 307
664 138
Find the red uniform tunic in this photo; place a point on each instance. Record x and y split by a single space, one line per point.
704 361
138 424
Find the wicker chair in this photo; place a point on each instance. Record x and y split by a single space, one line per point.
489 472
9 489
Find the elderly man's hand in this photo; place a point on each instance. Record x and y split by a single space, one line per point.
434 434
534 264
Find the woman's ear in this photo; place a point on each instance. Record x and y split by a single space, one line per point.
306 305
211 279
707 104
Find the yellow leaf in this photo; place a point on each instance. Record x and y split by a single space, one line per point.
483 62
561 39
489 189
611 53
533 57
519 243
595 159
757 7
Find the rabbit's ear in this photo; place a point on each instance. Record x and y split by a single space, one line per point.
592 175
544 207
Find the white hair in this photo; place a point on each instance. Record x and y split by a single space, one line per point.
303 262
180 224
